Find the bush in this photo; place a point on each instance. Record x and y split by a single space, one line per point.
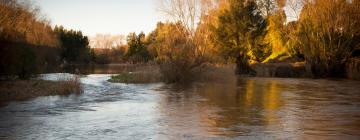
177 53
71 85
328 33
102 59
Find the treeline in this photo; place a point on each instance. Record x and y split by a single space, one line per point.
30 46
324 36
74 47
108 48
27 40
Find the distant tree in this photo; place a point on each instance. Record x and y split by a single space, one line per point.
137 51
108 48
74 45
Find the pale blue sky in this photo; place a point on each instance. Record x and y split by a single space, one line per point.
106 16
102 16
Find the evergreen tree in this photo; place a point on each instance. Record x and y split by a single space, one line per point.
239 25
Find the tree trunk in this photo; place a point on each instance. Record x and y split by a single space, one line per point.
243 67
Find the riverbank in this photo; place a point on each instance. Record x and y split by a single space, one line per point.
142 74
138 74
19 90
300 69
281 69
353 69
150 73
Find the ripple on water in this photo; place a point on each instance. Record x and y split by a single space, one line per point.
249 108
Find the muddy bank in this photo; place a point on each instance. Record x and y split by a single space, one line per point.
353 69
282 69
299 69
19 90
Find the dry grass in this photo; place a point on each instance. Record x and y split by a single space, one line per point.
71 85
27 89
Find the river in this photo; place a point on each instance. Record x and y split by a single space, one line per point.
244 108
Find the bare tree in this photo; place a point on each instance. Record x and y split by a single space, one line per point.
293 7
187 12
107 41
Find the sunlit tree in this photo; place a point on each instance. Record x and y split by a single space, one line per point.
328 33
238 26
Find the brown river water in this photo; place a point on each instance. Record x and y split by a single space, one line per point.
244 108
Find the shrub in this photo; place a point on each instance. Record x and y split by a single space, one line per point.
328 33
71 85
177 54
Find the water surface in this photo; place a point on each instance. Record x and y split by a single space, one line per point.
250 108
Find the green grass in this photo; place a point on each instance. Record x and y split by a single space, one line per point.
124 77
138 77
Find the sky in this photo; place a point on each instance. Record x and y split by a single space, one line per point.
102 16
106 16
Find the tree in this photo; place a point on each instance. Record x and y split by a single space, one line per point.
137 51
328 33
21 22
27 41
239 23
175 54
74 45
185 12
275 33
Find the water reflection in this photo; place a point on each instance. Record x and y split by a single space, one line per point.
280 108
237 108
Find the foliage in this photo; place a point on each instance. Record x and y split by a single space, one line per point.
21 22
328 33
176 52
74 46
28 44
275 35
137 51
239 25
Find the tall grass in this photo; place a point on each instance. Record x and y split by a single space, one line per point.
71 85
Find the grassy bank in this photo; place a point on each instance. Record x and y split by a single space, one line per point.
27 89
138 75
151 74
